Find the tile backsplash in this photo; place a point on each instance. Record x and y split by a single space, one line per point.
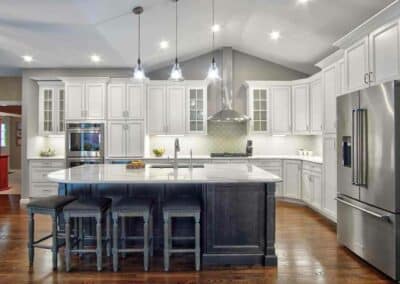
232 137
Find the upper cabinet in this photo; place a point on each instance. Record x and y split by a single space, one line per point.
125 100
316 105
301 108
177 108
281 116
374 59
330 86
85 98
51 108
258 109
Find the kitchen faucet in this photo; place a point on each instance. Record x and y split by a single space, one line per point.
177 149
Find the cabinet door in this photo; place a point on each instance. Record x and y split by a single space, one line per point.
292 179
95 100
384 47
329 76
356 63
281 110
46 110
60 110
316 107
197 110
116 140
75 98
306 188
156 110
316 182
301 112
134 139
260 110
176 106
135 101
116 101
330 176
340 78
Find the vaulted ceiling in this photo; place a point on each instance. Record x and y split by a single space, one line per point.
64 33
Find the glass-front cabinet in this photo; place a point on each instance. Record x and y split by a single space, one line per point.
258 104
51 108
197 109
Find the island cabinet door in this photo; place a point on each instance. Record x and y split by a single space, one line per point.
235 215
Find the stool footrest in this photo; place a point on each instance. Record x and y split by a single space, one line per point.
130 250
182 238
83 250
181 250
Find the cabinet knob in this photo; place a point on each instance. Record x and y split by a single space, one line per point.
366 75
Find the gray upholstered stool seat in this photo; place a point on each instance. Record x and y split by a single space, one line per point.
132 208
181 208
53 206
98 208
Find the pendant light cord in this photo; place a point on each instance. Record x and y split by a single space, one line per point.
139 39
213 23
176 31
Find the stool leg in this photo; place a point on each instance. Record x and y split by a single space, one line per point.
54 248
108 233
81 236
99 249
166 242
151 224
67 243
146 243
197 240
123 235
31 229
115 242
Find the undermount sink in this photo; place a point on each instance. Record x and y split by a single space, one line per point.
181 166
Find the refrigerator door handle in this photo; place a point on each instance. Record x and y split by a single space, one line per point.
379 216
354 149
362 147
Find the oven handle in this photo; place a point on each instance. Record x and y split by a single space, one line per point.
379 216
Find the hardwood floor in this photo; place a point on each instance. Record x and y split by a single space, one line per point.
306 247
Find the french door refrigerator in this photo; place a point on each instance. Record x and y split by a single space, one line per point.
368 207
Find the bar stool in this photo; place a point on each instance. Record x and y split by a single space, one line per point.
98 208
133 208
53 206
179 209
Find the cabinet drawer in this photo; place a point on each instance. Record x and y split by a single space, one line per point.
307 166
40 174
43 189
48 164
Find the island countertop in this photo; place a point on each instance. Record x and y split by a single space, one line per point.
211 173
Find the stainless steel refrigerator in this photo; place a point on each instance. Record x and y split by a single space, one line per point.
368 207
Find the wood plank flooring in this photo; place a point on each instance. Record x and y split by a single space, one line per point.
306 247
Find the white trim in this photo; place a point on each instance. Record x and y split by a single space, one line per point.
331 59
10 103
24 201
9 114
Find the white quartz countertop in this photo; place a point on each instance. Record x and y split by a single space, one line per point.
211 173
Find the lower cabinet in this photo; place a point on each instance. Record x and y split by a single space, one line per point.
39 185
312 185
330 176
275 167
125 139
292 179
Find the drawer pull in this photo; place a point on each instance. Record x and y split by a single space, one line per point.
379 216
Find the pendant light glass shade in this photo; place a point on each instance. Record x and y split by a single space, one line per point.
213 72
138 73
176 72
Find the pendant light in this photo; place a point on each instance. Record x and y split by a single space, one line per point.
213 72
176 72
138 73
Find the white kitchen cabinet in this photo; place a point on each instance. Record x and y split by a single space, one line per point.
300 109
176 110
275 167
384 53
316 106
306 188
125 139
125 101
281 116
312 185
340 78
85 98
156 115
330 87
258 109
197 109
51 108
356 63
292 179
330 176
39 185
316 182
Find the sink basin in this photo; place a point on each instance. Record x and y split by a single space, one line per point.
180 166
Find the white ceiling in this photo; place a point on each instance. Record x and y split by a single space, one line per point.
63 33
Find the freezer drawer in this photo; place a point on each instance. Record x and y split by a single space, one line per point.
370 233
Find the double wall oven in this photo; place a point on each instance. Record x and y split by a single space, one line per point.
84 144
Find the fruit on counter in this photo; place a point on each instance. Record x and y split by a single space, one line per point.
48 152
158 152
135 164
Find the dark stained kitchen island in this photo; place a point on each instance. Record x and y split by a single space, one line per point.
238 204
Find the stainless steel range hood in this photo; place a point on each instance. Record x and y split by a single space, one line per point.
227 114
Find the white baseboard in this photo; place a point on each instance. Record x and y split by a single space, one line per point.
24 201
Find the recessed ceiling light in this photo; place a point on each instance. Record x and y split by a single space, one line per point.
303 1
27 58
164 44
215 28
275 35
95 58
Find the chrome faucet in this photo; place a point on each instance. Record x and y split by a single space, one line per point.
177 149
